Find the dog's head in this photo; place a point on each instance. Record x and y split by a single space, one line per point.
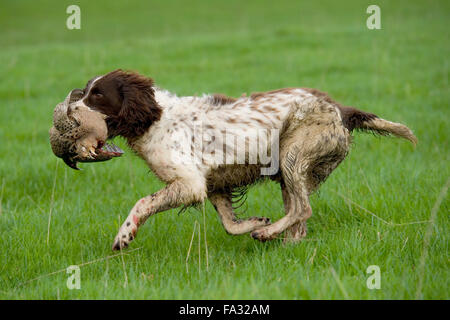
126 98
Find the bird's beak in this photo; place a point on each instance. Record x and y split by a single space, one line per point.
71 163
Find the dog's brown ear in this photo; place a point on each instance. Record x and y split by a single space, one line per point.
139 107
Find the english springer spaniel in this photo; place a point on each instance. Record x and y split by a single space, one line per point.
214 147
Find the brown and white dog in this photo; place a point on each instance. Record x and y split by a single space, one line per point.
215 146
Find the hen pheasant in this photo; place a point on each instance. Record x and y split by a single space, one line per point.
79 133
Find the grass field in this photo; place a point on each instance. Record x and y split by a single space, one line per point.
382 206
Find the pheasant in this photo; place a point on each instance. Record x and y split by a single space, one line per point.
79 133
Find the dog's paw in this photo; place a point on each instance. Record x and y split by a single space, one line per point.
127 233
295 233
262 234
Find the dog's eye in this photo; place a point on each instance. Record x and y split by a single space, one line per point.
97 93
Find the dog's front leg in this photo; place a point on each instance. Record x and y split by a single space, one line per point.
172 196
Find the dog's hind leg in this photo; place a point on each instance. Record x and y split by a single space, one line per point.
294 168
298 230
223 205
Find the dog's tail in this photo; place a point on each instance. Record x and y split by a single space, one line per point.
354 119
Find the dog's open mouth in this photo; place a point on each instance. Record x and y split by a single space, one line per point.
106 151
103 152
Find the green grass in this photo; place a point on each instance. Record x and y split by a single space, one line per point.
400 73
